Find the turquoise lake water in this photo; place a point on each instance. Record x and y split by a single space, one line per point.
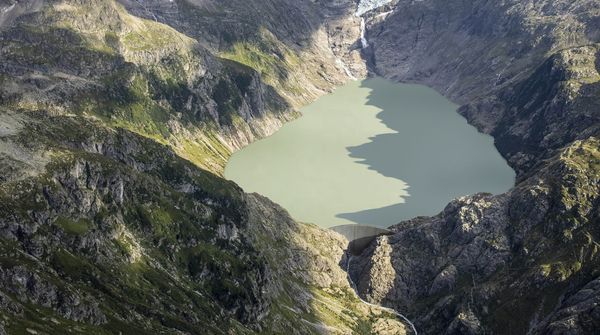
373 152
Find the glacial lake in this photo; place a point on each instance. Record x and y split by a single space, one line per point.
373 152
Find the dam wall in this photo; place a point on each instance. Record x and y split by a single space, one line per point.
359 236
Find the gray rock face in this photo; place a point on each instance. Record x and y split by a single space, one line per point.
557 104
493 58
513 263
119 223
19 281
578 315
497 263
365 6
381 268
465 49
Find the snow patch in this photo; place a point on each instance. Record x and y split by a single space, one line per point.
365 6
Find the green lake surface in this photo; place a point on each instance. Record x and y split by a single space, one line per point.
372 152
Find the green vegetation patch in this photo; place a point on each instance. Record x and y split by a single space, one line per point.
269 57
73 227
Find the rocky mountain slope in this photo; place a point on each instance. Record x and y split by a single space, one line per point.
114 128
202 83
117 117
116 233
519 68
525 261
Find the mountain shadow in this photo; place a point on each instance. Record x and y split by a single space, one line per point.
433 149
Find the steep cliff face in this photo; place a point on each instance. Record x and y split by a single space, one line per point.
303 48
521 68
525 261
469 48
500 264
557 104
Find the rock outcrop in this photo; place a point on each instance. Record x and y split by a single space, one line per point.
115 121
521 69
117 233
509 263
525 261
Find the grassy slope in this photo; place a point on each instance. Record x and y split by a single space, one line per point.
115 217
138 75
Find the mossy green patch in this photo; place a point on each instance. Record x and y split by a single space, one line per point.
74 227
69 264
269 57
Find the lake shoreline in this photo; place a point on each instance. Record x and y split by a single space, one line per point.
372 152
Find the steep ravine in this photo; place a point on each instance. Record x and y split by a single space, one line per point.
400 315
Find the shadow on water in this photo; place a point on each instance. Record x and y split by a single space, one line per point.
434 151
